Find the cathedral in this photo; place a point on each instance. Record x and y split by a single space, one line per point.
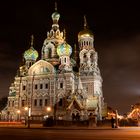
64 82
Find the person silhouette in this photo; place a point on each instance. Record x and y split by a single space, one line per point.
112 122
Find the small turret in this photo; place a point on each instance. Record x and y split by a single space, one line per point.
31 54
85 37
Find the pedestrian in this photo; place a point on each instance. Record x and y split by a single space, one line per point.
112 122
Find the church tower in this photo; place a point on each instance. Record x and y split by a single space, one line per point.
89 70
64 51
54 38
88 55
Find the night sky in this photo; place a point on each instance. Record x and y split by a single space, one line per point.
116 27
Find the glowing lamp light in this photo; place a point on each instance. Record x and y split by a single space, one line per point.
48 109
18 111
26 108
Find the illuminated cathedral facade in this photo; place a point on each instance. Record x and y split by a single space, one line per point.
66 84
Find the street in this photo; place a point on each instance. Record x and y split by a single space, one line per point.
70 134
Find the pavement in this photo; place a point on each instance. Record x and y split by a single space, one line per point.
40 126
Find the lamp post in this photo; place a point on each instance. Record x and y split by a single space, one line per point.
116 117
30 103
28 110
55 95
26 115
18 112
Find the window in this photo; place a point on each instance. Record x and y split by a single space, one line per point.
12 103
35 86
84 43
23 103
49 52
35 102
41 86
46 102
40 102
92 57
65 60
60 102
46 86
24 87
85 56
89 44
61 85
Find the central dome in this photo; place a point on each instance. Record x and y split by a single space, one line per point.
64 49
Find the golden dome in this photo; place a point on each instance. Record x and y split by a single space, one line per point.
85 32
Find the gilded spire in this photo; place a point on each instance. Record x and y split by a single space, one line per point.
55 15
64 31
32 40
55 6
75 52
85 22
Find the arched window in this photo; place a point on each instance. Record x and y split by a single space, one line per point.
61 85
84 43
24 87
46 86
84 57
46 102
87 43
60 102
23 103
49 52
40 102
92 57
36 86
41 86
65 60
35 102
12 103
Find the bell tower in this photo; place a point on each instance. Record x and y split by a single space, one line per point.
88 55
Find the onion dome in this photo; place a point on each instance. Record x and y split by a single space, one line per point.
64 49
55 15
31 53
86 32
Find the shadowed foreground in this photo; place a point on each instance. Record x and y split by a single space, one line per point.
70 134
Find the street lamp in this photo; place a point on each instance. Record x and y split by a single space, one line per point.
26 108
48 109
28 115
116 116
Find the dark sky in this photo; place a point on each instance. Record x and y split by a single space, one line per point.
116 27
